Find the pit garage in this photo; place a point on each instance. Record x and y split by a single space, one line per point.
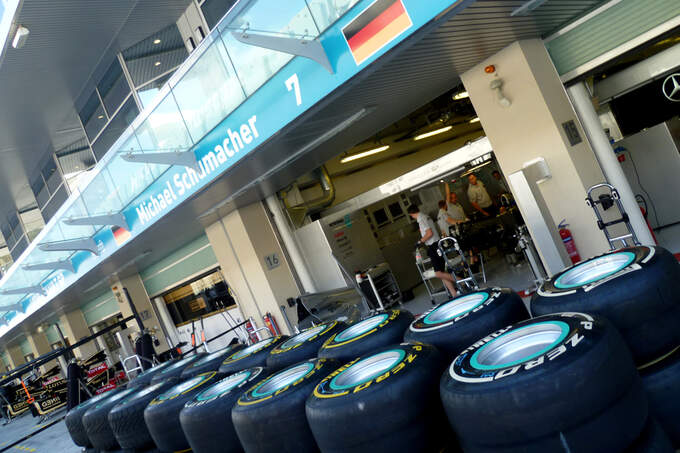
419 273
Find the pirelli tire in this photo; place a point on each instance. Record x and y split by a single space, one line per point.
96 422
302 346
386 401
162 413
144 378
653 439
367 335
635 288
270 416
251 356
562 382
174 371
127 417
209 362
661 381
212 407
74 419
456 324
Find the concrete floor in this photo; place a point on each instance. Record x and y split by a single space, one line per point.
53 439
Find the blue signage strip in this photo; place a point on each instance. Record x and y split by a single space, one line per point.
352 44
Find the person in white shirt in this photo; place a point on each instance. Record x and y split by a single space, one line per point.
447 217
430 237
453 207
479 197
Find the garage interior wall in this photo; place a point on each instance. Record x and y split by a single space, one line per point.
242 240
102 307
532 127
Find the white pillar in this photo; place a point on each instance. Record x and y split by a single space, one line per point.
581 99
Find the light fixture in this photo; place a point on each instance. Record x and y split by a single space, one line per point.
363 154
100 117
433 133
156 41
527 8
496 85
20 37
461 95
158 63
474 120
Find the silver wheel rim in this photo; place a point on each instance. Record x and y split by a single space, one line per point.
252 348
210 357
520 345
146 391
303 336
179 364
181 388
361 327
455 308
225 385
367 369
283 379
594 270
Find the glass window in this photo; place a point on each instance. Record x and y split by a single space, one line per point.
326 12
148 92
42 197
214 10
93 116
156 55
113 87
205 295
131 179
115 128
55 203
100 196
208 92
164 129
19 248
52 176
256 65
75 158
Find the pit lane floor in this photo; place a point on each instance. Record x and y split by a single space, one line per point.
52 439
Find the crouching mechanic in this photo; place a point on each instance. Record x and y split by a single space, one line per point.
430 237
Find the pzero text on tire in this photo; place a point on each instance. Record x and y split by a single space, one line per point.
162 413
212 407
251 356
562 382
635 288
209 362
174 371
366 336
270 416
661 381
382 402
302 346
127 417
456 324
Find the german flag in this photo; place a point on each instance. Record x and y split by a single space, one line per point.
121 235
375 28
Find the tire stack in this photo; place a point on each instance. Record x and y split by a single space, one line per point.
636 288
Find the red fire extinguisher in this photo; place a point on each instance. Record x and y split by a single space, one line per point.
272 325
568 241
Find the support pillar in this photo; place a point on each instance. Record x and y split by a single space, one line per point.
15 356
535 125
253 263
610 165
74 328
39 346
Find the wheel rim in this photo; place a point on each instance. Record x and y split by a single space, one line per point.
594 270
179 364
148 390
367 369
252 348
520 345
224 386
117 397
283 379
456 307
181 388
361 327
209 357
303 336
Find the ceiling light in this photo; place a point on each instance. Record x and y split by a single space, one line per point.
363 154
433 133
158 63
461 95
474 120
101 117
156 41
20 37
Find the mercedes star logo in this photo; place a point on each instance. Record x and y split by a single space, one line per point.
671 87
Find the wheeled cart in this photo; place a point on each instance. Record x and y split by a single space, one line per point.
380 287
457 265
426 271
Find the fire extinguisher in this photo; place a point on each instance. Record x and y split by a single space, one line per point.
272 324
568 241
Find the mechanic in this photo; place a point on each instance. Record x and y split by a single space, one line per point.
479 197
429 238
